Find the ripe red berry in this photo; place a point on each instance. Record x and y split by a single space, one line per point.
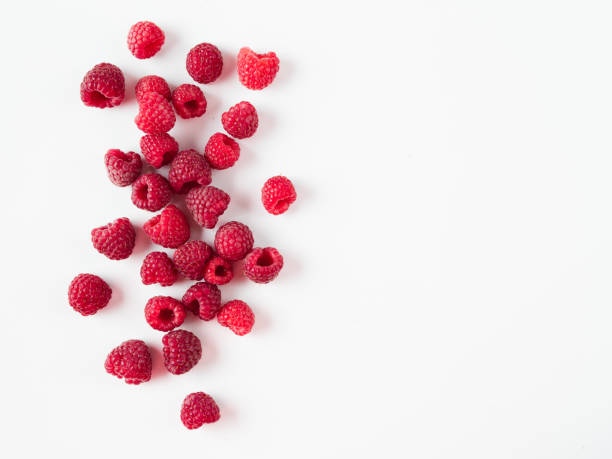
122 168
233 241
155 115
189 101
237 316
206 204
115 240
169 228
221 151
103 86
204 63
263 265
158 149
203 299
152 83
190 259
130 360
188 169
278 194
151 192
88 293
256 71
182 350
145 39
164 313
241 120
218 271
157 268
199 409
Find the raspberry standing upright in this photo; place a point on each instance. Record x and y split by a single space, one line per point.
233 241
204 63
88 293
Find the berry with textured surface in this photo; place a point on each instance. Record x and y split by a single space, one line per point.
278 194
182 350
203 299
204 63
206 204
199 409
152 83
123 168
157 268
256 71
145 39
233 241
237 316
155 114
103 86
241 120
88 293
263 265
164 313
115 240
188 169
169 229
218 271
130 360
221 151
190 259
189 101
151 192
158 149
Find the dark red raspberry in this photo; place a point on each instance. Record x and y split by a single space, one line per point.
204 63
158 149
188 169
151 192
122 168
164 313
221 151
206 203
152 83
145 39
168 229
190 259
182 350
256 71
115 240
241 120
103 86
199 409
203 299
189 101
237 316
88 294
278 194
157 268
155 115
263 265
218 271
233 241
130 360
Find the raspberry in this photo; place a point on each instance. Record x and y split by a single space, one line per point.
115 240
164 313
199 409
241 120
103 86
204 63
190 259
188 169
168 229
122 168
203 299
206 203
256 71
263 265
130 360
88 293
189 101
233 241
218 271
182 350
151 192
158 149
145 39
237 316
221 151
157 267
155 115
152 83
278 194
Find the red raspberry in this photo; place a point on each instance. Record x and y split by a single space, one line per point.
189 101
168 229
122 168
221 151
157 267
155 114
188 169
152 83
218 271
278 194
164 313
199 409
158 149
241 120
203 299
233 241
182 350
88 293
130 360
206 203
237 316
190 259
263 265
151 192
103 86
145 39
256 71
115 240
204 63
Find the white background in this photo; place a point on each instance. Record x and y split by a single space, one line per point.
447 284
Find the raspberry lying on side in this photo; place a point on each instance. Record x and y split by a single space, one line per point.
218 271
233 241
188 169
189 101
155 115
241 120
237 316
122 168
103 86
278 194
221 151
256 71
157 268
130 360
182 350
152 83
115 240
263 265
204 63
151 192
145 39
168 229
199 409
206 204
164 313
88 293
203 299
190 259
158 149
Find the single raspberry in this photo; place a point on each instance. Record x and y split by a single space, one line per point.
278 194
233 241
204 63
190 259
88 294
155 115
218 271
157 268
221 151
168 229
145 39
182 350
130 360
122 168
241 120
189 101
256 71
206 203
103 86
203 299
151 192
152 83
164 313
158 149
188 169
199 409
263 265
115 240
237 316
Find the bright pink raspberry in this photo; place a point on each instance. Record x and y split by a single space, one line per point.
130 360
103 86
256 71
221 151
182 350
190 259
263 265
157 268
169 229
206 204
151 192
115 240
189 101
145 39
233 241
278 194
237 316
188 169
199 409
155 115
158 149
241 120
152 83
164 313
88 294
218 271
122 168
203 299
204 63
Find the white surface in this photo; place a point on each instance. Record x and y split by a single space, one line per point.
447 282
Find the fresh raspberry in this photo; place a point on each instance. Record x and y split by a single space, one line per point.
218 271
157 268
103 86
206 203
189 101
221 151
188 169
130 360
164 313
256 71
158 149
182 350
263 265
278 194
203 299
199 409
190 259
151 192
122 168
115 240
168 229
155 115
241 120
145 39
204 63
152 83
233 241
237 316
88 293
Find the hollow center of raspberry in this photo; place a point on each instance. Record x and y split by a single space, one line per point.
191 105
282 205
166 315
97 98
265 259
220 271
142 192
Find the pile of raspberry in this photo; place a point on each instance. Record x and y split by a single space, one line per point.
189 178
